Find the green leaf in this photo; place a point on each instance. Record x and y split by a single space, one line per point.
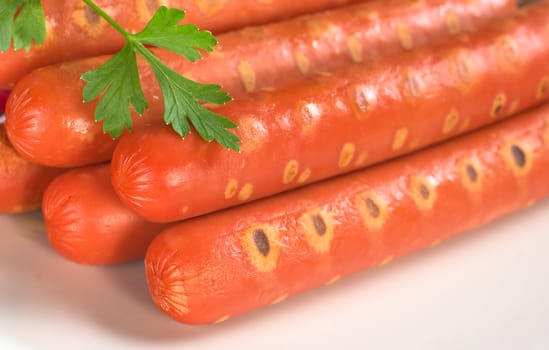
118 80
163 31
21 21
180 95
117 83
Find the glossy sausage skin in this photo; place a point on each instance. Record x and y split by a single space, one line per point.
86 222
223 264
22 183
62 132
339 122
74 31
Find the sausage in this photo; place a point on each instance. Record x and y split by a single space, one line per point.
68 136
22 183
223 264
336 123
74 31
86 223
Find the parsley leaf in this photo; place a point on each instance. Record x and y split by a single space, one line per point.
21 21
179 96
118 80
163 31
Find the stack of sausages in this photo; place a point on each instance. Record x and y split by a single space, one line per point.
369 130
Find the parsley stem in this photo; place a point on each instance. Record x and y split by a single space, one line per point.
108 18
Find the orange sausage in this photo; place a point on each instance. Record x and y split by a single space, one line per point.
221 265
86 222
74 31
339 122
61 131
22 183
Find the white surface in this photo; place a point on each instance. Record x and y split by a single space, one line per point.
488 289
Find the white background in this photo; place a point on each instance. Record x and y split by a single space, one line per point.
487 289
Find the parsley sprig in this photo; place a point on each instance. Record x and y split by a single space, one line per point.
21 21
116 83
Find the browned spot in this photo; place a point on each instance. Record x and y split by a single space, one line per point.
261 242
460 65
146 8
497 105
543 87
452 23
302 62
411 85
261 245
325 74
217 53
404 36
518 157
252 134
399 139
247 75
361 159
318 27
153 5
423 192
209 7
304 176
546 132
245 192
355 49
367 14
88 20
373 210
507 53
466 122
360 96
513 107
346 155
471 174
290 171
317 226
309 113
91 16
462 68
450 122
414 143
